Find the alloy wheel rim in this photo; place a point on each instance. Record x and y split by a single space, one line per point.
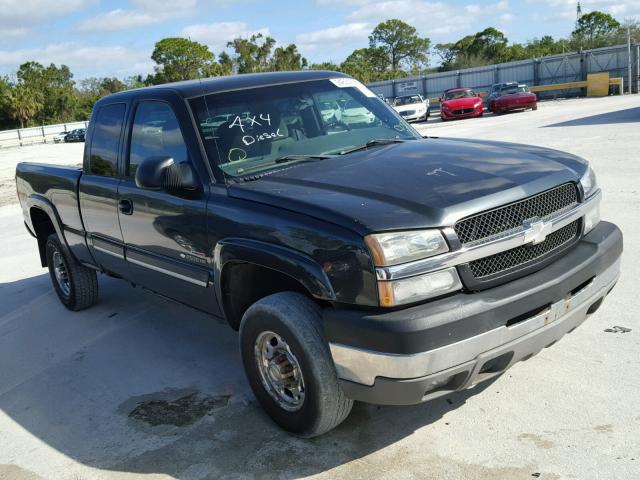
280 371
61 273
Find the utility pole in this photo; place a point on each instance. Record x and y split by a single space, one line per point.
629 56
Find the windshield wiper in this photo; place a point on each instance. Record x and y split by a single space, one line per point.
256 171
373 142
298 158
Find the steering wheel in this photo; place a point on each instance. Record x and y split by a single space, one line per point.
337 123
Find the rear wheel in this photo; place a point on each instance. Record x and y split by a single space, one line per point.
75 284
535 106
289 366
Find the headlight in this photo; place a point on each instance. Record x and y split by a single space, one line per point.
589 183
414 289
590 186
401 247
445 107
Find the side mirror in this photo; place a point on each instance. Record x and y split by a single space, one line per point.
162 173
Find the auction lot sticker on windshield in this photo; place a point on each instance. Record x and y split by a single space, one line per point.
352 82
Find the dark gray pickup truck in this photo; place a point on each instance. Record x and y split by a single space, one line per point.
358 260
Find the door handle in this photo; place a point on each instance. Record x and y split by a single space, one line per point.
125 206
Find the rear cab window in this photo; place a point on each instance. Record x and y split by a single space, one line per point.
105 140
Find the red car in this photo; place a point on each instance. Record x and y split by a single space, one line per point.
460 103
505 97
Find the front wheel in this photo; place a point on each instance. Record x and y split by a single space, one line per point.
289 366
75 284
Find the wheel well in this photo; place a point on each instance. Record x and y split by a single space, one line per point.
42 227
243 284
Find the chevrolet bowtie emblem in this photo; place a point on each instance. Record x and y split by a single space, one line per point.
536 231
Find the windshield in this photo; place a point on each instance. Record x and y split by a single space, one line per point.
407 100
514 89
263 125
459 94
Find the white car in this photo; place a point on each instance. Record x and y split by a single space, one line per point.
353 113
330 111
412 107
59 137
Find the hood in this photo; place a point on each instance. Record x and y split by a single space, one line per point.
456 103
416 184
411 106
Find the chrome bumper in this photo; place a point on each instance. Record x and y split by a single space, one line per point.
471 356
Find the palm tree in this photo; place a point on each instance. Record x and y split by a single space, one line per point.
23 104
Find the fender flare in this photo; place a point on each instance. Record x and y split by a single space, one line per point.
292 263
41 202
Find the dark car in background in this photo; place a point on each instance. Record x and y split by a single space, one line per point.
460 103
76 135
506 97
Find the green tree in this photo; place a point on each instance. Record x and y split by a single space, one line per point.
325 66
181 59
226 63
6 121
367 65
288 59
23 104
593 29
489 44
252 54
401 44
447 53
619 37
54 87
482 48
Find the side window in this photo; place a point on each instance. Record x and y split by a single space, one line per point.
155 133
103 159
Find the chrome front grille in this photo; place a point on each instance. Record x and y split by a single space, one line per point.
508 217
519 257
493 224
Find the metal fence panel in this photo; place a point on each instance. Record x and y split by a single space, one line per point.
570 67
614 61
516 72
438 83
478 78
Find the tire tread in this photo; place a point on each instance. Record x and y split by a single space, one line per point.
84 281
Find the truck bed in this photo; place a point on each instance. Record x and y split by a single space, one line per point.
52 189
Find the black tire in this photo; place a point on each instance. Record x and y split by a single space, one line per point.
80 290
296 319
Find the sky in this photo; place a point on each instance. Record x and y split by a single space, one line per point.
97 38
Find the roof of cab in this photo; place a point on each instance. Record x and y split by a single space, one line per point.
205 86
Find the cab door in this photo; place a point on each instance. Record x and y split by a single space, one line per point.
164 231
98 188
